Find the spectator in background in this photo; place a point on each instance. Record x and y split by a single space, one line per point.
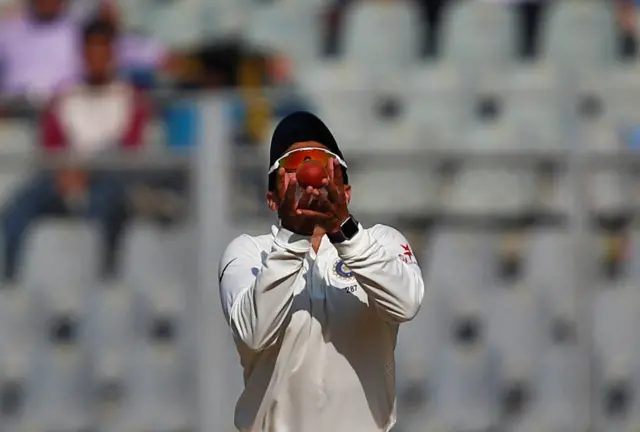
97 115
39 49
530 15
627 16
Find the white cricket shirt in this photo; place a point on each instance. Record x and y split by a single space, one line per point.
316 333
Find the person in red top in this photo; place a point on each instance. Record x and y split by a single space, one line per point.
97 115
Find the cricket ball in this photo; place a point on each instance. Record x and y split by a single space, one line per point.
311 173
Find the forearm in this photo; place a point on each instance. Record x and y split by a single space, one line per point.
259 312
394 287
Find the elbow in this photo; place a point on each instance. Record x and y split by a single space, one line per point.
410 306
407 312
250 336
247 336
258 343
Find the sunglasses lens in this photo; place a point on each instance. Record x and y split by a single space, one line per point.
292 161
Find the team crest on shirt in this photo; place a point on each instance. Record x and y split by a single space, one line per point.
341 270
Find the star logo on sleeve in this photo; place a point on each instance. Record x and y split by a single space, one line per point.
407 254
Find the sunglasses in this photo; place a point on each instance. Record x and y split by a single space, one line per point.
290 161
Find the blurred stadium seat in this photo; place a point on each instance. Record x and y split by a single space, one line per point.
487 192
156 267
498 345
69 274
379 190
479 38
293 30
378 52
580 37
533 110
177 24
436 104
340 97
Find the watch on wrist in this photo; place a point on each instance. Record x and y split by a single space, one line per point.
348 229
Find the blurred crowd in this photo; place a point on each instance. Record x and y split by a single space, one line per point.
90 77
70 69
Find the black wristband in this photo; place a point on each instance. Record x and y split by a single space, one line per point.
348 229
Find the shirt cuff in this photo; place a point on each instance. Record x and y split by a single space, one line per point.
355 246
292 242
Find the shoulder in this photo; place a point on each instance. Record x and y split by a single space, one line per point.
394 242
243 242
246 245
385 232
12 26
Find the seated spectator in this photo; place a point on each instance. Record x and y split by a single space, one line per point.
97 115
39 49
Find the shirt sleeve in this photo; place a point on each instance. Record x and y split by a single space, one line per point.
52 133
257 288
135 132
383 264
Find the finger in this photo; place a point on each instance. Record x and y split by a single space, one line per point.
331 168
337 177
290 196
312 191
324 202
314 214
281 179
304 200
333 192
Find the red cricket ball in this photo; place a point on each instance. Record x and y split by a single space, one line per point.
311 173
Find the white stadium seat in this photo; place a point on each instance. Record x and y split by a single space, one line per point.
340 98
467 381
551 268
179 25
381 190
515 329
462 46
289 29
608 191
533 110
580 36
461 261
382 36
486 192
157 268
69 274
437 105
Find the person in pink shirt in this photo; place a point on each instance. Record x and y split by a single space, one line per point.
40 49
97 115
